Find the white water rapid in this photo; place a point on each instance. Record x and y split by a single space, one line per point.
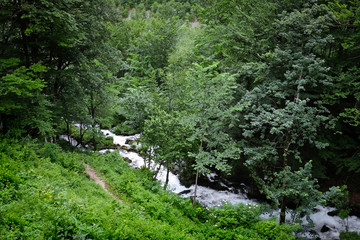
206 196
325 226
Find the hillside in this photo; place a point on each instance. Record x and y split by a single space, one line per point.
45 194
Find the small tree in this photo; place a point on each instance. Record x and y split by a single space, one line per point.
164 140
209 96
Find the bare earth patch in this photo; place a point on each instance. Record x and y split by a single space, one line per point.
92 174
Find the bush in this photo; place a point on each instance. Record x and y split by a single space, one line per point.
233 216
8 178
271 230
124 129
349 236
67 160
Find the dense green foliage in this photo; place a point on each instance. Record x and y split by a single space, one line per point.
45 194
54 53
261 90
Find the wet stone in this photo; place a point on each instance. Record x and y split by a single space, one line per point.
324 229
184 192
333 213
316 210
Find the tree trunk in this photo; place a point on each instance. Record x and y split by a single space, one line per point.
286 149
197 172
82 134
282 212
167 178
157 171
196 184
68 130
283 203
23 27
94 143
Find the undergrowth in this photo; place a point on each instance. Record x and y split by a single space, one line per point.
45 194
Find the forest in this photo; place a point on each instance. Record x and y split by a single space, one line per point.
262 93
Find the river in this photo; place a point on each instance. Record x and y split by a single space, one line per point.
326 226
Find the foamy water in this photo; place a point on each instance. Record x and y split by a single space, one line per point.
330 225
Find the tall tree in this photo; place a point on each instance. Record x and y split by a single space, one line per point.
342 158
60 35
282 113
237 33
209 97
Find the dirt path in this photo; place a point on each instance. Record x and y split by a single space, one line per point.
92 174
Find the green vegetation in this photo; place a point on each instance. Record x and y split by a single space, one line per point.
45 194
349 236
265 90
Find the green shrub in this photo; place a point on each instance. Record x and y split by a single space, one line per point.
8 178
349 236
124 129
233 216
108 141
51 151
271 230
67 160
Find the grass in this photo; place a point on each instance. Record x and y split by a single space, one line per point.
45 194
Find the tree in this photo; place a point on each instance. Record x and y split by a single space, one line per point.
209 95
60 35
282 113
237 33
343 97
23 107
164 140
183 55
150 46
135 106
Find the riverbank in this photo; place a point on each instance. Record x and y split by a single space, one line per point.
45 193
327 225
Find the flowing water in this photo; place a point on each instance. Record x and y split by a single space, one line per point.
325 226
205 195
131 14
195 23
